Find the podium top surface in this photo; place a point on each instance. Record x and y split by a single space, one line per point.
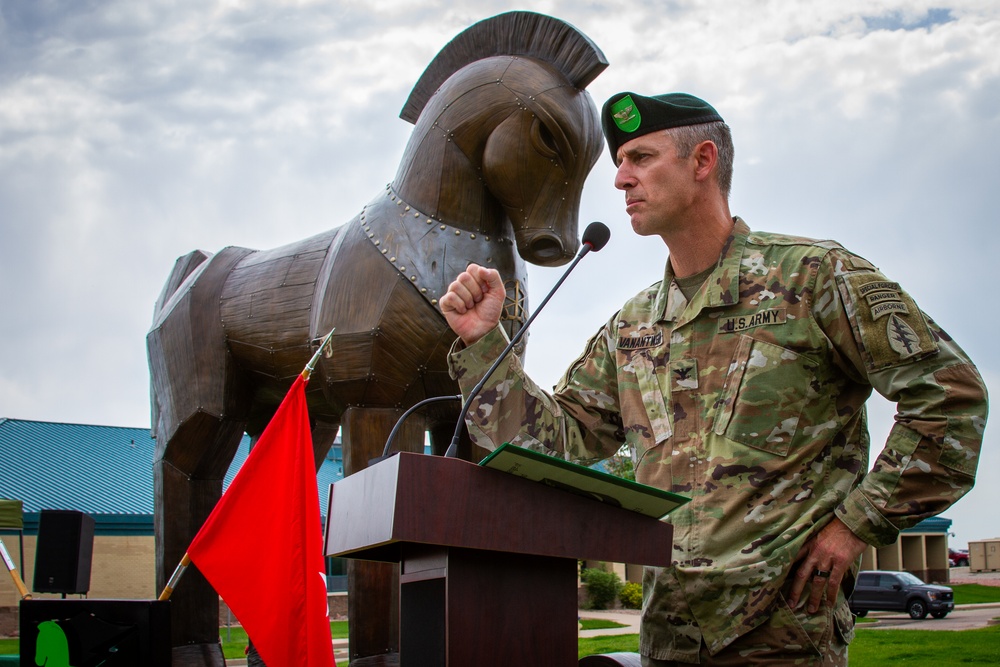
420 499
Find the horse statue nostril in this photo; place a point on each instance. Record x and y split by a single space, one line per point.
545 248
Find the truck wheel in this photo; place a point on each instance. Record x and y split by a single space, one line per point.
916 609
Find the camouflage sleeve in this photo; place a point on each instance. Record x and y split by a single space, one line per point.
882 338
577 421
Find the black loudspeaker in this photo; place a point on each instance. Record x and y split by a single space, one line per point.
63 552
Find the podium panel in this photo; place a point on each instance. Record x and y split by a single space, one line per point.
469 607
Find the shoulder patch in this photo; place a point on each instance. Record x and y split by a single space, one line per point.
889 324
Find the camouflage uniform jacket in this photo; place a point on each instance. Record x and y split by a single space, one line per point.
749 399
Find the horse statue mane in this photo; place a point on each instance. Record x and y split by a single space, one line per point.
512 34
504 137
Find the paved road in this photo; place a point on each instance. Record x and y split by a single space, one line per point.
964 617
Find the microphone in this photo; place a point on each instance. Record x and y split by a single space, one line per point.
595 237
387 451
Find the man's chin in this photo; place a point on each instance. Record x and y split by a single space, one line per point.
639 227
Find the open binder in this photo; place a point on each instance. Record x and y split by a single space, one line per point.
601 486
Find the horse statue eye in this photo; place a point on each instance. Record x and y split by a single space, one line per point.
543 140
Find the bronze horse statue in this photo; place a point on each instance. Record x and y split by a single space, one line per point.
505 135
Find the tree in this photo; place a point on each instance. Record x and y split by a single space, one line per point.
620 464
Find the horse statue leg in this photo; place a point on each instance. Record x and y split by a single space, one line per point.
373 588
200 407
188 483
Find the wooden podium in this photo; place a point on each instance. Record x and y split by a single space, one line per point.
488 561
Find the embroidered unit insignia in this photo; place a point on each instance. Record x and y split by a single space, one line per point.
889 324
626 115
902 338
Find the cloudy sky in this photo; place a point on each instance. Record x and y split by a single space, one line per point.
134 132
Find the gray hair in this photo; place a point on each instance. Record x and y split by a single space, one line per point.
687 137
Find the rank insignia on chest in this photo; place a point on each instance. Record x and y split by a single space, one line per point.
761 318
683 374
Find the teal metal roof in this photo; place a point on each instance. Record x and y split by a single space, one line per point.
99 470
934 524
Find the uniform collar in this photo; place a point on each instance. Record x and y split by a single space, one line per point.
722 287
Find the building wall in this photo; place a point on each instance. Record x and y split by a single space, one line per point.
922 554
122 567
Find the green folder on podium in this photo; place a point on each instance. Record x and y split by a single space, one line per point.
575 478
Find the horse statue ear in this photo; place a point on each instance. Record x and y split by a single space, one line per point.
511 34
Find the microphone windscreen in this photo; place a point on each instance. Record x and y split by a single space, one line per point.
596 235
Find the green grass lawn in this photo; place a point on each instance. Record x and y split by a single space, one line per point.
926 648
915 648
599 624
975 593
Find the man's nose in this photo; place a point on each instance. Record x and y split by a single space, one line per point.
623 177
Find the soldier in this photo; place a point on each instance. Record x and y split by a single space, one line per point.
740 381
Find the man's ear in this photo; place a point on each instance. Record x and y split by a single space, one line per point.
706 155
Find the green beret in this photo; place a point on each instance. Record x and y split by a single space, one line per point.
628 115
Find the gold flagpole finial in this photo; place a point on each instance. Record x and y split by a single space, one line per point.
307 371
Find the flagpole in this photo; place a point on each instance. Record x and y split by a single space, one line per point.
175 577
186 560
18 582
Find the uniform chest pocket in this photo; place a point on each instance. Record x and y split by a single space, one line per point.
764 395
643 372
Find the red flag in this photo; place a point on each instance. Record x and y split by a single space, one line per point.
262 546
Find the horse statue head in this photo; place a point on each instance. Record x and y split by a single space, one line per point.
506 133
